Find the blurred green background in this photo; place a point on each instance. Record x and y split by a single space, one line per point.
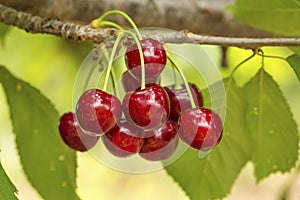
50 64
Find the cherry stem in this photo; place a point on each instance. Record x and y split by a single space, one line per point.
111 59
143 70
97 22
177 84
111 24
186 84
112 73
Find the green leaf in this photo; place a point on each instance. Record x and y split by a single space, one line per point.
4 30
273 129
277 16
49 165
213 176
294 61
7 188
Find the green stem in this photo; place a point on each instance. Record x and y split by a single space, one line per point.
143 74
95 23
111 24
112 73
186 84
177 84
241 63
113 52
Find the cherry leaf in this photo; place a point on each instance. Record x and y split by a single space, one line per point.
277 16
294 61
213 176
272 126
7 188
48 164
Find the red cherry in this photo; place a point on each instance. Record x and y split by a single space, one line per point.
148 108
131 83
98 111
154 58
200 128
162 144
122 140
180 100
73 136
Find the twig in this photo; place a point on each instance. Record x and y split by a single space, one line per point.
36 24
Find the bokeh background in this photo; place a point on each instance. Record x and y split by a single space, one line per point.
50 64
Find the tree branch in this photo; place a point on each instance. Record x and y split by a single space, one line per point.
206 17
36 24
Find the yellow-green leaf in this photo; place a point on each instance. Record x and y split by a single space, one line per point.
272 126
213 176
48 164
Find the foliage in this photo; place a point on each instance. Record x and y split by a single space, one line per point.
48 164
7 188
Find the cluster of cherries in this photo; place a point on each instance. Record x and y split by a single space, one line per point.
150 120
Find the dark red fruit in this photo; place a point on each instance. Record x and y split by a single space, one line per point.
131 83
97 111
180 100
122 140
73 136
154 58
148 108
162 144
200 128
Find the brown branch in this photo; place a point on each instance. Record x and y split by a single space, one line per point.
36 24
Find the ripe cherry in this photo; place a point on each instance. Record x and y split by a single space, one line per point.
148 108
162 144
180 100
122 140
98 111
131 83
200 128
154 58
73 136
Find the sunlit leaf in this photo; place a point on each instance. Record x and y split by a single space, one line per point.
213 176
7 188
272 126
48 164
277 16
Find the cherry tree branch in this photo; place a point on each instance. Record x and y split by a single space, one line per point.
76 32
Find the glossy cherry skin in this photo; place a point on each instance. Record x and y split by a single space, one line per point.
154 58
98 111
162 144
131 83
200 128
148 108
73 136
122 141
180 100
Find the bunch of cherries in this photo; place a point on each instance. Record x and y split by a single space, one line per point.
151 118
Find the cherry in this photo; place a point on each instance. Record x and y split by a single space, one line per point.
180 100
73 136
122 140
147 108
154 58
131 83
200 128
162 144
98 111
